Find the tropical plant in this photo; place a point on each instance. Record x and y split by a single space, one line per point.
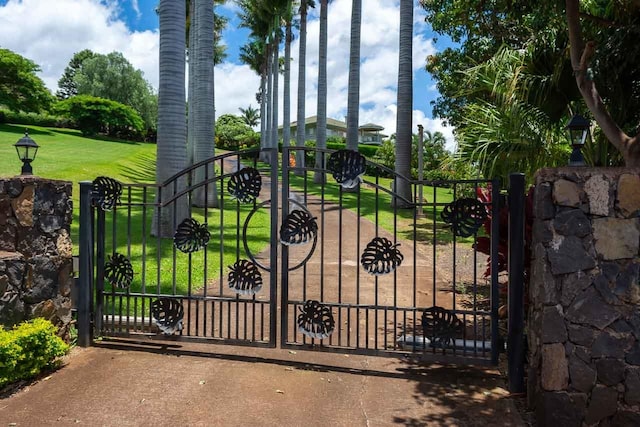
250 115
232 133
20 88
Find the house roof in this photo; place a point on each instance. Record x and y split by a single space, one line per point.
336 124
371 126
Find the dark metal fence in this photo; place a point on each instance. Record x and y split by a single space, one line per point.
362 265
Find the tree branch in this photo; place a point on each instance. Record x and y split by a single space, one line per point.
580 57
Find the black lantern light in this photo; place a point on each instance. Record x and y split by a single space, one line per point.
27 149
578 128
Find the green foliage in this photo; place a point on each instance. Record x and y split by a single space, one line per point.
67 85
33 119
20 88
250 115
113 77
338 143
232 133
97 115
27 349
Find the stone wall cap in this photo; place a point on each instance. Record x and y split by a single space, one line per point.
32 179
545 174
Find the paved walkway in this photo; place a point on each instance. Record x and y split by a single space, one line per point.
117 384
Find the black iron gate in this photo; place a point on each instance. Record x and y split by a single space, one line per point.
331 260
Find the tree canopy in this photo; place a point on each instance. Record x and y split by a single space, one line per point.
113 77
67 86
527 44
20 88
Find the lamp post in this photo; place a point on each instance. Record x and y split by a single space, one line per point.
27 149
578 128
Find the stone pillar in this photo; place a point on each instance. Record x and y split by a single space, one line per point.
584 310
35 251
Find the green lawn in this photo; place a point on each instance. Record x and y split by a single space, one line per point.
65 155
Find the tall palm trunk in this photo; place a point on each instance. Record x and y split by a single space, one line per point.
274 98
191 91
353 94
172 130
300 129
264 155
203 100
286 93
405 105
321 141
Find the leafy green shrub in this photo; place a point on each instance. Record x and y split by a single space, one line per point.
27 349
335 143
98 115
232 133
33 119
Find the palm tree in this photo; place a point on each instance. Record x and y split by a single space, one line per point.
250 115
321 138
171 142
253 54
300 130
286 94
404 106
203 99
353 94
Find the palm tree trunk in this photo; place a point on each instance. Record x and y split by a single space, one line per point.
321 141
191 91
300 130
264 155
405 106
353 94
286 93
274 99
172 129
203 99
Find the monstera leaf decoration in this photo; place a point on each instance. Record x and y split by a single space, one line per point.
106 192
465 216
245 185
118 271
191 236
298 228
315 320
381 256
168 314
244 278
347 167
440 326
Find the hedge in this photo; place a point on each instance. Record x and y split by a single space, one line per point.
27 349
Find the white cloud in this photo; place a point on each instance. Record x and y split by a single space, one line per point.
49 33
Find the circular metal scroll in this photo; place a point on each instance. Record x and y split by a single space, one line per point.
347 167
440 326
315 320
191 236
246 244
245 185
118 271
168 314
381 256
106 192
465 216
244 278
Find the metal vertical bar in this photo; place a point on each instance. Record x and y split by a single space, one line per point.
273 248
284 304
85 280
495 244
100 244
515 348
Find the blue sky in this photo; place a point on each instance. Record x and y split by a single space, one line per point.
49 32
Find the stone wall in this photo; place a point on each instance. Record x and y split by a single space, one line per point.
584 298
35 251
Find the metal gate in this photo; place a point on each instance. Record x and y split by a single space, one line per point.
310 254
